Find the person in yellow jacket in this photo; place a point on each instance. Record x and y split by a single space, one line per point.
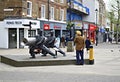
79 46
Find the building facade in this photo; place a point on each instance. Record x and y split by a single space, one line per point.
24 18
75 13
53 16
96 19
16 16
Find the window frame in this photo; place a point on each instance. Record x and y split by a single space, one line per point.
62 14
52 13
43 8
29 10
61 1
52 0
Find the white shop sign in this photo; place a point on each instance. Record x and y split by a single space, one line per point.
78 25
19 23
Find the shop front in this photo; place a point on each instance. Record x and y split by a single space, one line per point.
15 31
59 28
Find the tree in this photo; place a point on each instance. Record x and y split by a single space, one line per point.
69 27
110 16
115 10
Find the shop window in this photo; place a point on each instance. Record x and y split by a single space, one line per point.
61 1
31 33
43 11
52 13
57 14
52 0
62 15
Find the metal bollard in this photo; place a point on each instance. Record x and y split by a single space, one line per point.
91 55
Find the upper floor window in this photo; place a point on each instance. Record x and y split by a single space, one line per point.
43 11
61 1
29 8
52 0
57 14
52 13
62 15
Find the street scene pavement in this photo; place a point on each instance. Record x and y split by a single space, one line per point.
106 67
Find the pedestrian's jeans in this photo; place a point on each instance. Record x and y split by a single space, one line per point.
79 57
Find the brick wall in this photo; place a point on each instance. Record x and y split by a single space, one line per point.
19 8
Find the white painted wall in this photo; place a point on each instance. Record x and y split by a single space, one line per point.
92 5
3 36
15 23
26 35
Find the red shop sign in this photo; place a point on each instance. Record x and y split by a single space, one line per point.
92 27
46 26
57 27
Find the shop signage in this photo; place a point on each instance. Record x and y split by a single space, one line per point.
92 27
46 26
78 25
75 6
57 27
80 8
84 10
13 22
18 23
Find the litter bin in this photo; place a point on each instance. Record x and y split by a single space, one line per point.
70 46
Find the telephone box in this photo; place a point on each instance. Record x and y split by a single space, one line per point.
92 32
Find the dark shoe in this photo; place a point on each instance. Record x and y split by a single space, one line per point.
81 64
77 64
32 57
43 55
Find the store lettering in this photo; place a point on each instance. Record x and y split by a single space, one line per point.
13 22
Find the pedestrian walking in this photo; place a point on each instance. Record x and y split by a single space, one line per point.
66 40
57 41
110 39
96 40
79 43
62 41
87 44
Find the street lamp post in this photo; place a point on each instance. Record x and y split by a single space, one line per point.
96 10
48 10
29 26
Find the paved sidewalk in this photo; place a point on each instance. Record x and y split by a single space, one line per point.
105 69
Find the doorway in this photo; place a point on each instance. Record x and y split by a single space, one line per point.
21 36
57 33
12 38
